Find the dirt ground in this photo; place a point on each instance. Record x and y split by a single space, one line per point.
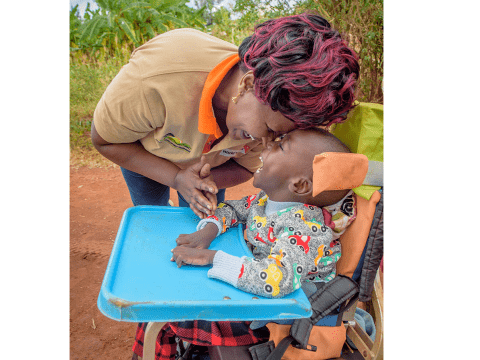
98 198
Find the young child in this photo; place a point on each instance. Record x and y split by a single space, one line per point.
292 231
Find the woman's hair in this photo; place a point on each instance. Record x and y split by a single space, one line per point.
302 68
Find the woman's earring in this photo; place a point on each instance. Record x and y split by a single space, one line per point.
235 98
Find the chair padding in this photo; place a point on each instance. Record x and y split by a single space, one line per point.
373 254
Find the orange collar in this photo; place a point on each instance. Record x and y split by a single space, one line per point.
207 124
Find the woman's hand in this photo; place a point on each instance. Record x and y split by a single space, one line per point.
196 185
184 255
200 239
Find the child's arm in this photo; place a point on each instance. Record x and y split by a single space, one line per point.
228 214
283 271
200 239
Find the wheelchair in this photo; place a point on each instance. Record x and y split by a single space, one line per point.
331 332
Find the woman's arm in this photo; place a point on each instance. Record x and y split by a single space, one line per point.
134 157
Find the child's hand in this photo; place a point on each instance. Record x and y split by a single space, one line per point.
184 255
200 239
196 185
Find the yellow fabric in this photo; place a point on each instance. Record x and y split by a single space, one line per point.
355 237
338 171
328 340
155 98
363 134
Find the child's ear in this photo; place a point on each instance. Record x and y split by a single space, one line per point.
301 186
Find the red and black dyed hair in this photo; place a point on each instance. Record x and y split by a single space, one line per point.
301 68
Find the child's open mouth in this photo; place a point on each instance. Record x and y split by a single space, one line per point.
261 167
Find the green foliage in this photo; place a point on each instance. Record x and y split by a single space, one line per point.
361 25
87 84
125 24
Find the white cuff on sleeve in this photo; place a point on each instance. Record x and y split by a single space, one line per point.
204 223
226 267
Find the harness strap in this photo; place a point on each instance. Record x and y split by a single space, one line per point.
329 297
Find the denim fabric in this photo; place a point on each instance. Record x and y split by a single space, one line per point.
145 191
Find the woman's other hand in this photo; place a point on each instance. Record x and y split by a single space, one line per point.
196 185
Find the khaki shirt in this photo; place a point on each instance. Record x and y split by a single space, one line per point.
155 98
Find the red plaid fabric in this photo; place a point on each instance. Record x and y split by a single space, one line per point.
200 332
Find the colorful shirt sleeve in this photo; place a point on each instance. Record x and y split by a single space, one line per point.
229 214
291 259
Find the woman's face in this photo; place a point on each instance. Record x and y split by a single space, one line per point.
250 118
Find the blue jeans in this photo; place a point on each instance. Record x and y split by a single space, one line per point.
145 191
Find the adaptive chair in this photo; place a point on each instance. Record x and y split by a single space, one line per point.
330 329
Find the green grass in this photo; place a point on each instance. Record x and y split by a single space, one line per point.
88 82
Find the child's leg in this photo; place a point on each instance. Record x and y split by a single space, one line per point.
200 332
165 346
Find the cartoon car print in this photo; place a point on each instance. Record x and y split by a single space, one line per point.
258 238
330 276
297 274
278 257
300 240
272 276
314 225
324 256
326 260
221 205
311 207
270 236
281 212
262 200
258 222
224 224
334 243
320 254
299 214
290 230
242 270
249 201
213 217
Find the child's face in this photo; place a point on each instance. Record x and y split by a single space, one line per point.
288 157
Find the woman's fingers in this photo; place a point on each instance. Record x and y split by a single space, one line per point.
197 212
205 171
213 200
201 202
207 186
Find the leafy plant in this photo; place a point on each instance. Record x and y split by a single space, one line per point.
361 23
125 23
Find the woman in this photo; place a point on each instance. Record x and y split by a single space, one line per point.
190 111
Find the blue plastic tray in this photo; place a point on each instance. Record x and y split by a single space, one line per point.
142 284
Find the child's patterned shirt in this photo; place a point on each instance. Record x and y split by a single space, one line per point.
291 243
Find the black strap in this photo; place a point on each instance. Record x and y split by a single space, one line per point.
332 296
280 349
325 300
261 351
